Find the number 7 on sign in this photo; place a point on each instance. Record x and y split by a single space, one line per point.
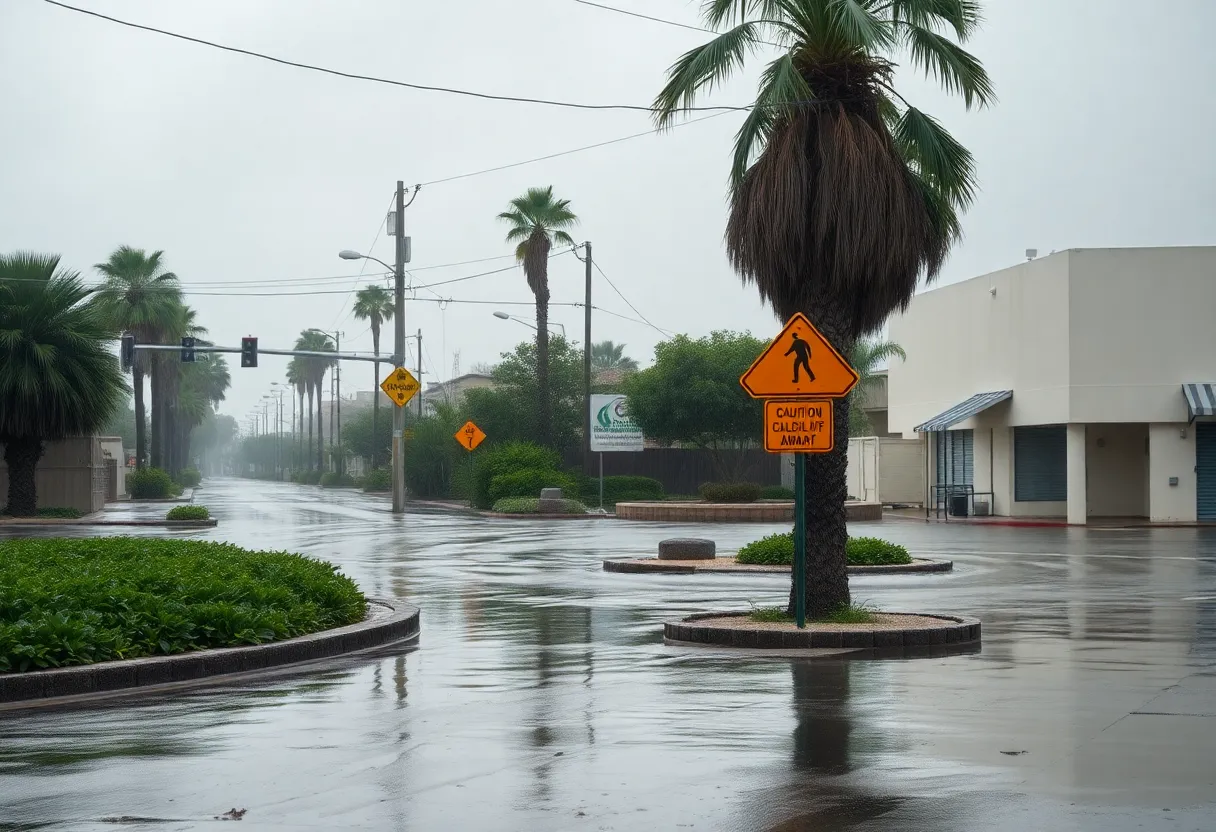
470 436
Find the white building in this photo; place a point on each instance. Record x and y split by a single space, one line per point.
1079 385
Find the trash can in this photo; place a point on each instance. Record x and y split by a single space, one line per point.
958 505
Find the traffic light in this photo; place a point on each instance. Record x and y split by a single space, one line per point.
187 349
127 352
249 352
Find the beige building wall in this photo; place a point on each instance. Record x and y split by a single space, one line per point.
1171 453
71 474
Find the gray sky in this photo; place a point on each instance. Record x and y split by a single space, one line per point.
247 172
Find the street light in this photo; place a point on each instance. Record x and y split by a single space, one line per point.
503 316
347 254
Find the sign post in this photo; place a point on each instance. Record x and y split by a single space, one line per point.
612 430
798 366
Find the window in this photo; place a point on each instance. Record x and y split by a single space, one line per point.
1040 464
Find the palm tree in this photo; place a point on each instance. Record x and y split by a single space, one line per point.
843 195
140 297
606 356
538 221
203 385
58 377
296 376
315 368
374 304
866 357
168 371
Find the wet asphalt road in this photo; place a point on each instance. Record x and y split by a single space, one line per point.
541 696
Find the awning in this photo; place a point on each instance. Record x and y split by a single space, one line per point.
964 411
1200 399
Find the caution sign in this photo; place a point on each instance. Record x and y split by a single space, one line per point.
400 386
470 436
799 362
798 427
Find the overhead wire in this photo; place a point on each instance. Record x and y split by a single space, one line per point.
660 20
627 301
376 79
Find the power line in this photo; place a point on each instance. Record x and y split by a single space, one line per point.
372 78
659 19
627 301
363 265
627 318
569 152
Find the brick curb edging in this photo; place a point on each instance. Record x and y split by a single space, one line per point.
668 567
386 623
758 512
495 515
955 631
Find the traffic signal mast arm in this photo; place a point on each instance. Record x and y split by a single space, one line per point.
344 356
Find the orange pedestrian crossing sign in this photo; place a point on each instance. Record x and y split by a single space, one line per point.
800 362
798 427
400 386
470 436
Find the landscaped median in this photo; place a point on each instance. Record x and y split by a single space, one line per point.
775 553
85 616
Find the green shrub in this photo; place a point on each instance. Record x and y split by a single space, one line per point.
622 489
529 482
531 505
189 478
508 458
71 602
778 550
730 492
55 512
309 478
332 479
776 492
378 479
188 513
149 484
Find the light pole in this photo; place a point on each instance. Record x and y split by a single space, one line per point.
336 402
398 269
503 316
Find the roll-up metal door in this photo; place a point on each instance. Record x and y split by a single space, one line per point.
1040 464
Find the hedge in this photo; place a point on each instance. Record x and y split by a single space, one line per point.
531 505
778 550
379 479
149 484
78 601
188 513
730 492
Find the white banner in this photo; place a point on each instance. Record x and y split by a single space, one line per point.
611 427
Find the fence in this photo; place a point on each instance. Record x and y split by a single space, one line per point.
683 470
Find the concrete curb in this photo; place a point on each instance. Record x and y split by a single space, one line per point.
499 516
84 521
955 631
386 623
656 566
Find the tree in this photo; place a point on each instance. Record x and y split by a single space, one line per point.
365 436
865 357
538 221
842 195
691 395
375 305
58 377
297 375
122 425
606 356
509 411
139 297
203 385
314 368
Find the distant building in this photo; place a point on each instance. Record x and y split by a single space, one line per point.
450 392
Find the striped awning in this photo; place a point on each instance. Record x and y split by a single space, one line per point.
1200 399
964 411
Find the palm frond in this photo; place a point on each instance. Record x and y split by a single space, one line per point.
702 69
955 68
781 91
963 16
718 13
856 21
937 156
564 239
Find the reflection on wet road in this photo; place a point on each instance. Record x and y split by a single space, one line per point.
541 696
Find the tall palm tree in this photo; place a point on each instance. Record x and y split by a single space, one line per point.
139 296
374 304
58 377
843 195
168 374
203 385
315 368
537 221
866 357
605 356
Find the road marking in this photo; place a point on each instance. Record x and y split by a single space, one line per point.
1200 598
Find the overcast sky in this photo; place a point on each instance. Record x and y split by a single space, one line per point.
246 172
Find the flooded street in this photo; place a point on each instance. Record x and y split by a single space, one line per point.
541 696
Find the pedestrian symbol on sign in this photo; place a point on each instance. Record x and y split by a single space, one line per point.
802 357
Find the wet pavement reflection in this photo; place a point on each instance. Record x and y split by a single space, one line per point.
542 697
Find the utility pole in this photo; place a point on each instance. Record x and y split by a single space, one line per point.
587 367
420 373
399 350
341 462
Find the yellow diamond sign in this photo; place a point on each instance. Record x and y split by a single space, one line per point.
400 386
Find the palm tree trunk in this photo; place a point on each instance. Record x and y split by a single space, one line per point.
157 412
21 456
141 432
308 459
544 405
321 428
826 487
375 406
